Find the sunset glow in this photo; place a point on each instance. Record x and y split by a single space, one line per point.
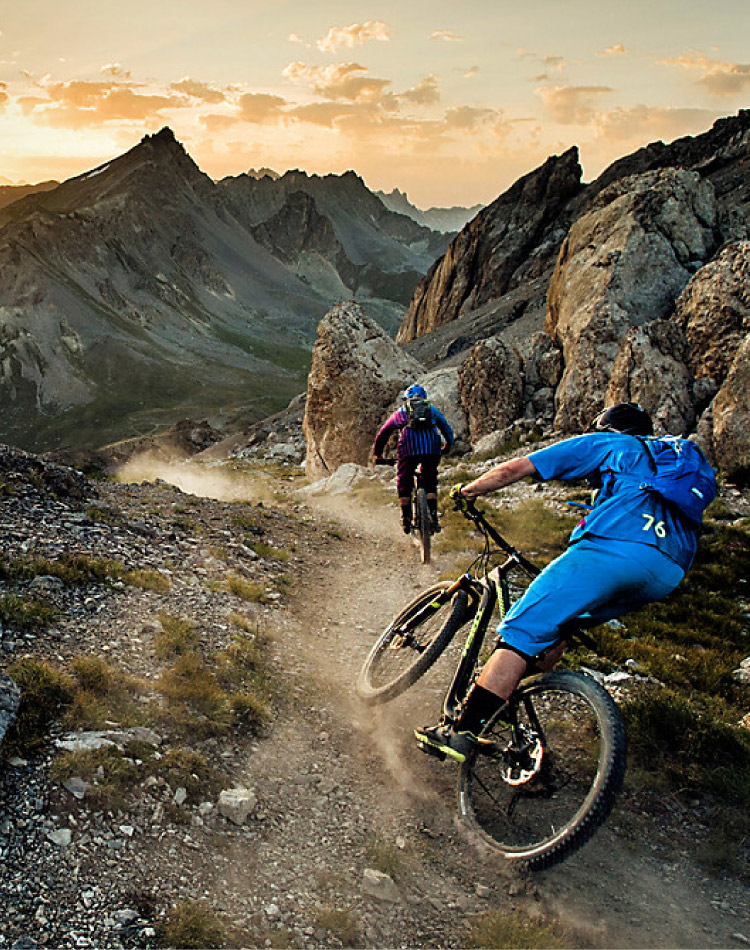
449 102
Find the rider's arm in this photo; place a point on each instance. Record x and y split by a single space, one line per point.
504 474
384 434
445 428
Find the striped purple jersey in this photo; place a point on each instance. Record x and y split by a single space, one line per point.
422 441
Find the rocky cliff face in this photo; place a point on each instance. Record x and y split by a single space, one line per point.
510 242
647 290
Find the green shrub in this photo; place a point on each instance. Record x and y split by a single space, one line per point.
199 704
246 590
147 580
193 926
497 930
340 923
110 772
176 637
45 693
26 613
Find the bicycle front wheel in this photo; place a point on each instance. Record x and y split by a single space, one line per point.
423 522
411 643
540 788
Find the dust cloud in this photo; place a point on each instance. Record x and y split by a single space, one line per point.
206 480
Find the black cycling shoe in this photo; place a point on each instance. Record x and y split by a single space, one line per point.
435 526
443 741
406 526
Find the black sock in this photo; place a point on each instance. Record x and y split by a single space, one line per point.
480 706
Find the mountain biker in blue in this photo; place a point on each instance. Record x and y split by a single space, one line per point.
418 444
631 549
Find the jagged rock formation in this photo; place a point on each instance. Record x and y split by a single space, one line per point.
439 219
634 303
134 295
623 264
510 242
356 373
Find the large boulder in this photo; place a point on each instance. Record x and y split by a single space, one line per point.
356 373
731 416
622 265
650 370
491 387
714 311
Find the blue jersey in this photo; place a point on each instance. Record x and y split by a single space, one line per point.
417 441
622 511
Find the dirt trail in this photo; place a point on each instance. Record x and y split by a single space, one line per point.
360 793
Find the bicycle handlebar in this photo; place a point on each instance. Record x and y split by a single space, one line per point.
468 509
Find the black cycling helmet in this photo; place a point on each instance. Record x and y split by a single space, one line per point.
625 417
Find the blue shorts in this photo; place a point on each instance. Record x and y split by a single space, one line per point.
595 580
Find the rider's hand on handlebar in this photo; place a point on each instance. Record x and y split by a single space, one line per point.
459 499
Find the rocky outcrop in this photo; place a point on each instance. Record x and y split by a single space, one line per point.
491 387
714 311
731 417
651 370
356 373
622 265
542 370
512 240
443 390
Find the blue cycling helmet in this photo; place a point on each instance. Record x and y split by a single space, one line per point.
415 392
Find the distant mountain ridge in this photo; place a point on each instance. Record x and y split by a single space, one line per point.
439 219
142 291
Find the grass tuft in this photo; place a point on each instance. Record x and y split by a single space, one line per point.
497 930
193 926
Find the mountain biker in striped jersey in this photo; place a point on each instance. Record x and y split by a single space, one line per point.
424 436
631 549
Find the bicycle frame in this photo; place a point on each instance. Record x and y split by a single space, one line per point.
485 593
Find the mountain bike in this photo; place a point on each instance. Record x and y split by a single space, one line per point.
421 521
545 776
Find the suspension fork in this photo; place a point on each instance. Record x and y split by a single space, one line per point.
468 662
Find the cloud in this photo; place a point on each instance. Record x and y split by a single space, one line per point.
644 123
348 81
356 34
469 117
555 64
718 77
471 72
617 50
261 108
449 36
425 93
197 90
295 38
80 103
572 105
114 71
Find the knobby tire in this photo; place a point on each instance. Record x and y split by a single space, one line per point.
396 662
423 522
540 822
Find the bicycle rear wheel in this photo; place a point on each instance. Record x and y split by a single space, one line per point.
411 643
423 524
542 787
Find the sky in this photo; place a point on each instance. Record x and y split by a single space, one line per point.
449 101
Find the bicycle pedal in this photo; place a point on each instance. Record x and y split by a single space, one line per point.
431 750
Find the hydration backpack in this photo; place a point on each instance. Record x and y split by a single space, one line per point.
681 475
418 412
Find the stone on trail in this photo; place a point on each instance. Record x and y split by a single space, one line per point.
235 804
